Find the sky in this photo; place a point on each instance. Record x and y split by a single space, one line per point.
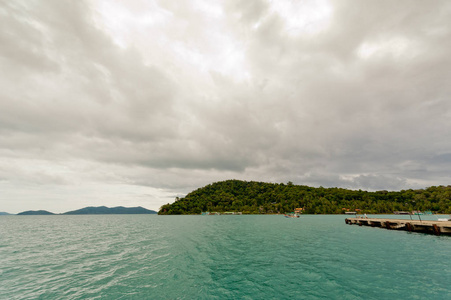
136 102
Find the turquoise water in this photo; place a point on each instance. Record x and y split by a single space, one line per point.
217 257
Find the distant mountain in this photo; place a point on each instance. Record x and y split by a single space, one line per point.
2 213
103 210
35 212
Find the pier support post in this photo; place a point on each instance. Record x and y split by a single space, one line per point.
436 229
409 227
387 225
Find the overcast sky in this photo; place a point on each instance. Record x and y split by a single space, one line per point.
135 102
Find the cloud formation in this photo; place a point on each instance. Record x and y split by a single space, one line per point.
136 102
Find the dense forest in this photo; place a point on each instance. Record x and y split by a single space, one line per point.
251 197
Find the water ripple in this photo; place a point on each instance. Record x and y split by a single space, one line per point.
223 257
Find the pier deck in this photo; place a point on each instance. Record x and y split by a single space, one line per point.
427 226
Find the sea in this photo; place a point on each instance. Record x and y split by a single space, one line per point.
217 257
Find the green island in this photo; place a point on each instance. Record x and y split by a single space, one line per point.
94 210
103 210
35 213
250 197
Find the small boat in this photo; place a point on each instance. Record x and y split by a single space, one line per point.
444 219
401 212
291 215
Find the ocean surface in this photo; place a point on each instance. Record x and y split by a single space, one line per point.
217 257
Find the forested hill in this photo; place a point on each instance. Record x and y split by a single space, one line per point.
99 210
259 197
103 210
35 212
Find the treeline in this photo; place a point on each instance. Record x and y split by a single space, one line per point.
266 198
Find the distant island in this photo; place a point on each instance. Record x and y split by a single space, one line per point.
99 210
35 212
250 197
103 210
2 213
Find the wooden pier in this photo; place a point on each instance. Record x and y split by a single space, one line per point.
433 227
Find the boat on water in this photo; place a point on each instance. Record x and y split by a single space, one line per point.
401 212
443 219
291 215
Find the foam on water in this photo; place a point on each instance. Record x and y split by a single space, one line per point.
217 257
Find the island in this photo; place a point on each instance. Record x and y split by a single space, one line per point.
35 213
251 197
103 210
95 210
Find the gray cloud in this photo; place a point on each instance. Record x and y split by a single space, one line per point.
159 98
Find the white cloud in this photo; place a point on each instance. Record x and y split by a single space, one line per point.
303 17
